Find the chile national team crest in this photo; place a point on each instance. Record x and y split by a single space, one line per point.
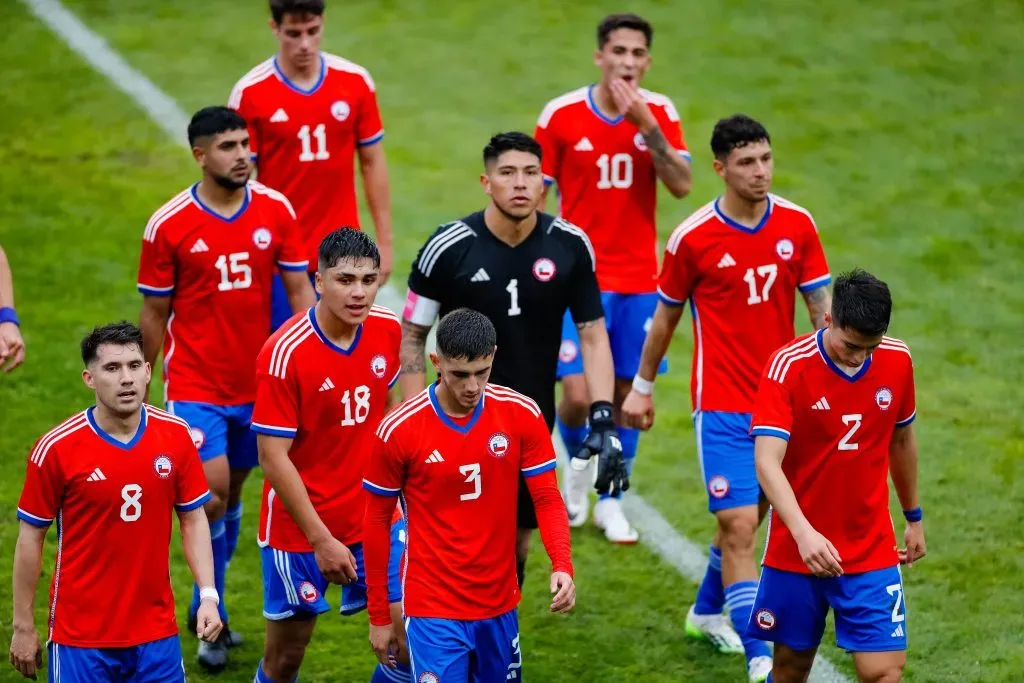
428 677
765 619
544 269
497 444
340 110
308 592
568 351
378 366
639 141
784 248
198 437
718 486
261 238
883 397
162 466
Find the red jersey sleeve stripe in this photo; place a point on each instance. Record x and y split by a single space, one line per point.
538 469
258 73
34 520
784 357
199 501
561 102
287 344
69 426
168 417
262 189
695 220
403 412
764 430
380 490
815 283
274 430
176 204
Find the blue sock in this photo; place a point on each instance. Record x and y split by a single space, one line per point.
630 439
769 679
233 525
400 674
711 595
572 437
264 678
739 598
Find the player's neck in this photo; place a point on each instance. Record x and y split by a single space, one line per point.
116 426
337 331
604 101
305 78
826 342
222 200
448 403
742 211
507 229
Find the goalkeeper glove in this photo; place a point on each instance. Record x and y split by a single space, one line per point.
603 441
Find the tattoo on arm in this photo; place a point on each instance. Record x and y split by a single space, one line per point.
658 146
589 323
818 303
414 345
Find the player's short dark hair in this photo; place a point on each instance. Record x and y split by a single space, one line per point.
510 142
738 130
279 8
210 121
347 243
629 20
465 333
861 302
123 333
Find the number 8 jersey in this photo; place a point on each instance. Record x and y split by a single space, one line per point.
329 401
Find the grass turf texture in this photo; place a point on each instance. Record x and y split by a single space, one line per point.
895 124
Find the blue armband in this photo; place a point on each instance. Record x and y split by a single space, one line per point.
7 315
914 515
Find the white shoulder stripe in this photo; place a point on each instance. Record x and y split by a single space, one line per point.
692 222
66 428
790 351
176 204
659 100
260 188
786 204
568 227
403 413
342 64
894 341
560 102
260 72
287 343
894 347
515 398
439 243
167 417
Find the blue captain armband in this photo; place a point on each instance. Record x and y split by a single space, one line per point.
8 315
914 515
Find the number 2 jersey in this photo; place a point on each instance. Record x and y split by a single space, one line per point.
113 503
329 401
219 272
839 428
741 284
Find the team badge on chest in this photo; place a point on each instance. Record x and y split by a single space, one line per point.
639 141
379 366
261 238
340 110
784 248
544 269
497 444
883 398
162 466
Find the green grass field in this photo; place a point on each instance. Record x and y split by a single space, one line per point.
896 124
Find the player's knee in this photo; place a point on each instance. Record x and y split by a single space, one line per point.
281 662
886 673
216 507
738 531
522 544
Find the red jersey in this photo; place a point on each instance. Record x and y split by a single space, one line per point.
219 271
305 140
329 400
839 428
459 480
113 503
740 283
607 182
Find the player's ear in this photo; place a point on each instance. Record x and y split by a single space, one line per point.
198 153
828 318
436 362
149 373
719 168
485 182
87 378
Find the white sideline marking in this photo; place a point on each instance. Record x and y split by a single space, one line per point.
684 555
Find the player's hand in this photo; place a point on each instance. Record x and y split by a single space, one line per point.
638 410
603 441
913 539
384 644
564 590
208 623
336 561
632 106
12 346
818 553
26 654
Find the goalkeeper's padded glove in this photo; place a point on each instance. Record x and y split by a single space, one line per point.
603 441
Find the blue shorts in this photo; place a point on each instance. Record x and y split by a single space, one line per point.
725 450
627 317
220 430
280 307
293 584
156 662
869 610
483 651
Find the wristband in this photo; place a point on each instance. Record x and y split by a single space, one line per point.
8 315
643 386
601 414
914 515
209 593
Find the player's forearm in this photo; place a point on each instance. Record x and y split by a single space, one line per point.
195 542
819 302
279 470
598 368
659 337
377 553
413 355
903 466
672 168
28 561
153 321
300 291
374 166
6 282
554 525
768 454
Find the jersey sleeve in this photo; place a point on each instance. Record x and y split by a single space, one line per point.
773 407
537 452
156 263
291 253
813 266
678 271
385 472
908 404
276 411
551 151
241 100
190 488
395 361
672 127
585 294
428 278
369 127
44 486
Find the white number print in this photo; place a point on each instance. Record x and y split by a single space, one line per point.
616 171
320 134
517 661
513 291
769 273
472 472
361 394
131 509
235 273
897 590
855 420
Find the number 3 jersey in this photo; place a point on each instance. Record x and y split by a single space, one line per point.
113 503
219 272
329 401
741 283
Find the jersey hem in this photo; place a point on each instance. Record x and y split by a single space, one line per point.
462 616
98 644
848 569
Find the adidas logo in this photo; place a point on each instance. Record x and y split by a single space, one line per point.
727 261
898 633
199 246
280 116
584 146
480 276
327 385
822 404
434 457
97 475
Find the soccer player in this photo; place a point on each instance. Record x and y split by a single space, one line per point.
455 453
208 258
12 346
522 269
833 415
309 114
606 146
323 385
739 261
111 476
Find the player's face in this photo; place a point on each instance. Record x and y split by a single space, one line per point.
299 37
748 170
349 288
515 184
625 56
226 158
850 346
119 376
464 379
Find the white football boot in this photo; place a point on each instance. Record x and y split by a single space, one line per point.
716 629
758 668
609 517
575 491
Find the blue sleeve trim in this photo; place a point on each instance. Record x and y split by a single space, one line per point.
394 379
668 301
38 522
283 432
548 181
380 490
300 267
371 141
686 155
812 285
906 422
156 291
197 503
770 431
538 469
